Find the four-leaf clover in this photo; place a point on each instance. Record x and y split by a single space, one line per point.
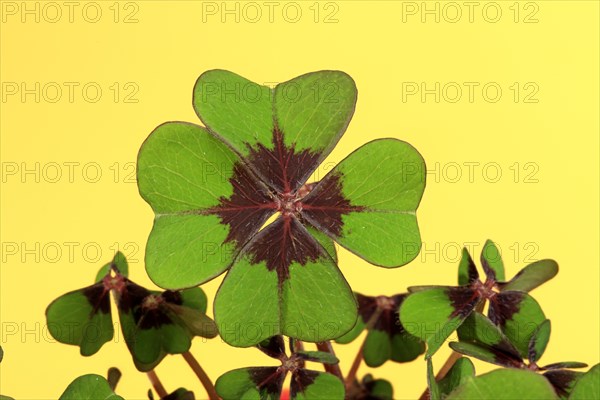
213 188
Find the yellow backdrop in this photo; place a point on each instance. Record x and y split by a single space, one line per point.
501 98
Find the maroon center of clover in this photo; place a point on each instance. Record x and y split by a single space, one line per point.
485 290
272 180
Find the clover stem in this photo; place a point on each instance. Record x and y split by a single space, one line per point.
359 355
354 368
201 374
157 384
331 368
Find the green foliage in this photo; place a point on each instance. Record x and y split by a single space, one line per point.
233 197
588 386
434 312
89 387
505 384
212 188
153 323
266 383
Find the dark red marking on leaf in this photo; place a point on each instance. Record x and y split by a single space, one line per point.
463 300
268 380
247 209
131 296
301 379
283 242
325 205
562 381
388 320
472 270
504 305
149 309
98 297
507 356
273 347
489 272
282 168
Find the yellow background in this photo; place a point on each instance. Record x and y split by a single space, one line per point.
170 46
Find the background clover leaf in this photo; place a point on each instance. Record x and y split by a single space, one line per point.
588 386
505 384
153 323
371 388
386 338
267 382
82 318
89 387
516 313
482 339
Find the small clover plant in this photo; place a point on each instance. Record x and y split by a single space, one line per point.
434 312
235 196
153 323
267 382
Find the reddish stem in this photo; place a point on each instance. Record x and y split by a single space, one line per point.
204 379
331 368
157 384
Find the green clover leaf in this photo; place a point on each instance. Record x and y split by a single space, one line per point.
153 323
505 384
386 338
266 383
434 312
213 188
89 387
482 339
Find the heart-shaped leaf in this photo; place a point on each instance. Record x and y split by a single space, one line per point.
386 338
505 384
487 354
462 369
588 386
263 383
273 274
491 260
563 380
518 315
434 314
309 385
194 183
531 276
305 116
467 271
82 318
375 389
155 324
380 186
480 330
89 387
539 341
